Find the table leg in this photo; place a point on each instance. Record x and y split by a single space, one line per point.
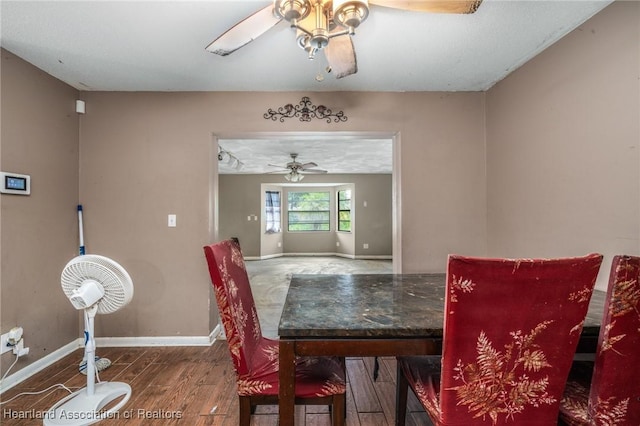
287 376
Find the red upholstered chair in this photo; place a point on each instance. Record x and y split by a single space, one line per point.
607 392
319 380
511 327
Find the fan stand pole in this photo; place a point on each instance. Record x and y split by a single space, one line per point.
95 402
90 349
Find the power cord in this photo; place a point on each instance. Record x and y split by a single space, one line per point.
19 350
57 386
10 367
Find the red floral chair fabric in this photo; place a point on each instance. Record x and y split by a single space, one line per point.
319 380
511 327
607 392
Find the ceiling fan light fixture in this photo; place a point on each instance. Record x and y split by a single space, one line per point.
319 38
302 39
350 13
294 177
292 10
225 157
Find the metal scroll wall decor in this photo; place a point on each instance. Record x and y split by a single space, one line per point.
305 111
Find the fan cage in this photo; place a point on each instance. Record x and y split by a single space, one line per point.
117 284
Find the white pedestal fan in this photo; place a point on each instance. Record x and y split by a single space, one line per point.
96 284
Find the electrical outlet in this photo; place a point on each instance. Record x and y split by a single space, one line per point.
365 246
3 342
11 339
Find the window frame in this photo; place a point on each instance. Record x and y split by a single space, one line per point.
272 214
326 212
340 210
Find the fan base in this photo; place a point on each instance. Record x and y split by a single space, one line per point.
80 408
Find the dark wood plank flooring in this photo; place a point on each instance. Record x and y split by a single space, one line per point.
196 386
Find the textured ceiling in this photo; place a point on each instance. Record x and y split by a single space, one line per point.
160 46
336 154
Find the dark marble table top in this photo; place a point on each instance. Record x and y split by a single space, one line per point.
376 306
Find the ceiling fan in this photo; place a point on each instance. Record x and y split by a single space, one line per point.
325 25
296 170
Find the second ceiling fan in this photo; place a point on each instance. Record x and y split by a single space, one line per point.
325 25
295 170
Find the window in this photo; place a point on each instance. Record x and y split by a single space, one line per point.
344 210
309 211
272 212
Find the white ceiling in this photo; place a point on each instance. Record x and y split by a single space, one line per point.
160 46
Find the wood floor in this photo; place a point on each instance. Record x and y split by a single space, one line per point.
196 386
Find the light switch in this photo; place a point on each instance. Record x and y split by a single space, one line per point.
171 222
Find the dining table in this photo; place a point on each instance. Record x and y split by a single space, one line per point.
371 315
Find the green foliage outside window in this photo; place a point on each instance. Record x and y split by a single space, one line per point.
309 211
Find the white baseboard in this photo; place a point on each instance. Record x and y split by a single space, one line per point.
36 366
379 257
345 255
106 342
269 256
120 342
309 254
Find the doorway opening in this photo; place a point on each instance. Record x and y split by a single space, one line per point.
342 154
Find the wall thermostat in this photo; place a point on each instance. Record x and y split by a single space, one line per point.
14 183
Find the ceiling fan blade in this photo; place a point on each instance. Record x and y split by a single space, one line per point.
244 32
433 6
312 171
341 56
276 165
310 164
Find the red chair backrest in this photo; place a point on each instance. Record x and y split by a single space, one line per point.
510 332
615 386
235 302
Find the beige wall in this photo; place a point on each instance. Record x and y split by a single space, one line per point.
145 155
563 146
38 233
559 175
